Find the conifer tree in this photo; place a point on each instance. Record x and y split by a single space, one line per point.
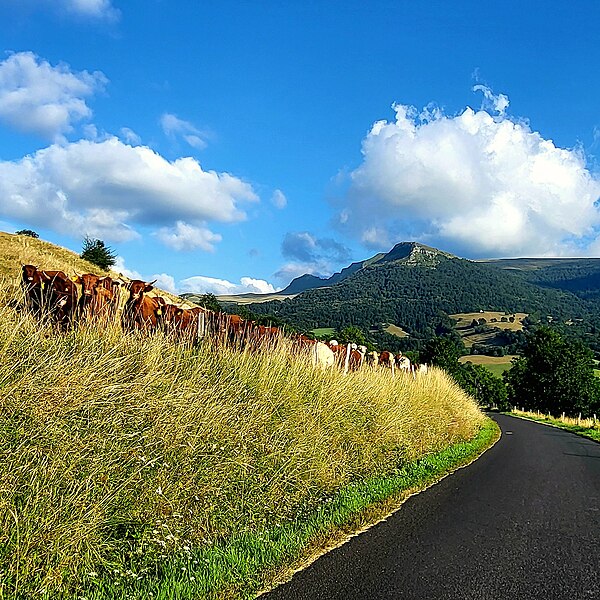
96 252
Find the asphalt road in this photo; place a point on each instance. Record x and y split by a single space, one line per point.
521 522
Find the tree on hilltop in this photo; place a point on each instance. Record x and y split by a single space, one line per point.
352 334
28 233
96 252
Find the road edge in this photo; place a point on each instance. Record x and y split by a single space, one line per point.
382 510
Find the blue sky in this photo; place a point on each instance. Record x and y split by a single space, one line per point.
230 146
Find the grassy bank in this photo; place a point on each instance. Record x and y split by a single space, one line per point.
589 428
136 466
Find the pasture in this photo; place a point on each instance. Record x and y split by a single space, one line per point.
323 332
251 298
493 319
395 330
496 364
137 466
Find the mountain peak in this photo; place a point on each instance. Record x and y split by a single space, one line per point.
409 253
414 253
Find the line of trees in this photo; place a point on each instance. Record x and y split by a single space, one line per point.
553 375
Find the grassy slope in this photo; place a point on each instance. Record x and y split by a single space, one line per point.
124 459
17 250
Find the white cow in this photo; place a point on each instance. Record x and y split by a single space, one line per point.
322 355
403 363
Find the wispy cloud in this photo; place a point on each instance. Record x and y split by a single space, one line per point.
129 136
311 254
278 199
306 247
174 127
492 102
188 237
91 9
36 97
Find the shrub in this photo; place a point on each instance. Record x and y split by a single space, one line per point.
96 252
27 232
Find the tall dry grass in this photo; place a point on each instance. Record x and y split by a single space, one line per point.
118 451
591 423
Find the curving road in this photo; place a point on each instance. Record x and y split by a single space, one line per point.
522 522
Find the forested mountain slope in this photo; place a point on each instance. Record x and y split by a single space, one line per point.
418 290
578 275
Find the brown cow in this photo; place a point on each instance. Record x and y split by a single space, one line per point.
99 298
141 312
32 287
355 360
341 352
233 329
386 359
63 301
181 322
49 292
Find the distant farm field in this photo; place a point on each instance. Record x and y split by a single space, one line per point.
496 364
251 298
395 330
323 331
493 319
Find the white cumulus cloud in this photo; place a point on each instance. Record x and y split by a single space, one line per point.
36 97
121 267
474 183
108 189
164 281
200 284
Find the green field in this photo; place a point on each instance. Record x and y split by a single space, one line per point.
496 364
323 331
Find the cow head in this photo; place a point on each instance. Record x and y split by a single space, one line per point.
29 272
64 290
137 288
88 282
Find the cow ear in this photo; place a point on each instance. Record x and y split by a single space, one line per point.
149 287
76 279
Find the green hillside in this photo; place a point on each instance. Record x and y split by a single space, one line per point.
418 291
581 276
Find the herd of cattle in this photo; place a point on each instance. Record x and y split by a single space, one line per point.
55 296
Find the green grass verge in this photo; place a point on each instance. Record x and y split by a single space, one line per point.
593 433
243 565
